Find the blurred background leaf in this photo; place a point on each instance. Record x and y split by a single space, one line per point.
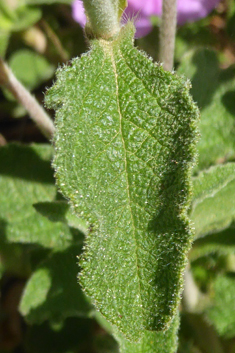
26 178
213 206
30 68
221 311
35 37
53 293
213 89
14 16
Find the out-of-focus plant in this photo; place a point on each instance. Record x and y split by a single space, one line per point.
125 160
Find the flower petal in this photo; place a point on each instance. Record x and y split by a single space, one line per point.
192 10
141 11
78 12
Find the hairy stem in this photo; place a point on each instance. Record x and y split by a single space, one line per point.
22 95
103 17
167 34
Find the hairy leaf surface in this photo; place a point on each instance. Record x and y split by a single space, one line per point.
125 145
160 342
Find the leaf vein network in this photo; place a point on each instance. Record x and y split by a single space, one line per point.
146 88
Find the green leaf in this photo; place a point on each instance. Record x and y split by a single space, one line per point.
19 17
52 293
26 17
7 16
30 68
4 40
160 342
59 211
26 178
55 211
221 313
213 206
124 151
213 90
221 243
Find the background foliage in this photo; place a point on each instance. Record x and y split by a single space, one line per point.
43 308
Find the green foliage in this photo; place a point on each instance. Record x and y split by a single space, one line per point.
213 91
41 237
30 68
18 17
55 211
59 211
4 38
15 17
160 342
221 313
222 243
26 178
53 292
213 206
124 150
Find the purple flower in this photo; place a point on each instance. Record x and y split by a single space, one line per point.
79 12
193 10
142 10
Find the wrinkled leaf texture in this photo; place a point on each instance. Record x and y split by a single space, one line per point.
125 145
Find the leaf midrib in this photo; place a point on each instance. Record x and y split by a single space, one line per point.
111 53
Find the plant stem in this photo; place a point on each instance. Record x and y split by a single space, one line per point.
167 34
103 17
55 40
22 95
